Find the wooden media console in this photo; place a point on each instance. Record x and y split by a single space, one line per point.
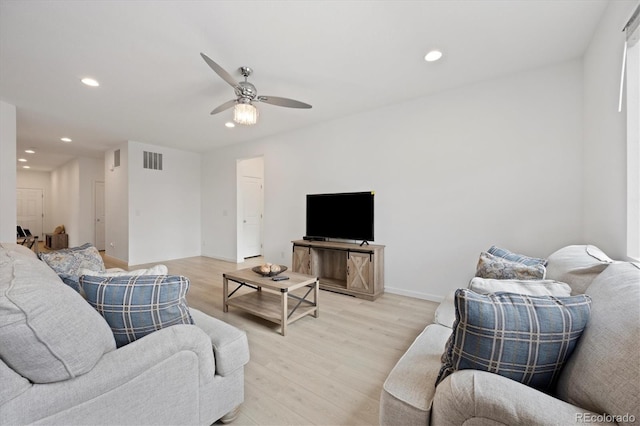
342 267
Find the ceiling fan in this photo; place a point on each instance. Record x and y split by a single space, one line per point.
244 111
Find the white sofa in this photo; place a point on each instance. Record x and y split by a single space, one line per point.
600 384
59 363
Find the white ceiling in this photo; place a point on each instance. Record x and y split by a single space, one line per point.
343 57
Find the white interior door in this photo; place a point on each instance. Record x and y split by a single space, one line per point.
99 216
251 188
30 212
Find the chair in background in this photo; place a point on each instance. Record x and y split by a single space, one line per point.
25 238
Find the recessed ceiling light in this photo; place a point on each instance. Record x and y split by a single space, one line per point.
229 124
22 160
90 82
65 139
433 56
29 151
26 167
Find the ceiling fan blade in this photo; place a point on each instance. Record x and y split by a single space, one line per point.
220 71
224 106
283 102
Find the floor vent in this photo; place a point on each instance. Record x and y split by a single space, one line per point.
152 160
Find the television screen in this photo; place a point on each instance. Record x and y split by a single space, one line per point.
346 216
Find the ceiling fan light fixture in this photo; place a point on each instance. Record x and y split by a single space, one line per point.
245 113
90 82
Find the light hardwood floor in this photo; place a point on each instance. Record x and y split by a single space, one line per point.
327 370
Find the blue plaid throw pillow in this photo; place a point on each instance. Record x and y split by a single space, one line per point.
135 306
524 338
515 257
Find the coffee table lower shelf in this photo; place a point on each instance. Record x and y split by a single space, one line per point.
267 305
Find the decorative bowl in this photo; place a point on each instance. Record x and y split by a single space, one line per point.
256 269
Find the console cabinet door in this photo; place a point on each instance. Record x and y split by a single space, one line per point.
360 272
301 261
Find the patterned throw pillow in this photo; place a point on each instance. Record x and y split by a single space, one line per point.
490 266
515 257
523 338
67 263
135 306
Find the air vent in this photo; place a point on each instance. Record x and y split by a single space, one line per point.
152 160
116 158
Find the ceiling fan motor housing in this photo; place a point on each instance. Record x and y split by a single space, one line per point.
246 90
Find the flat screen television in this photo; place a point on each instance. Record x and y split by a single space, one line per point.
347 216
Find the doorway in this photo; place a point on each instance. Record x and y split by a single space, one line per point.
99 215
250 200
30 210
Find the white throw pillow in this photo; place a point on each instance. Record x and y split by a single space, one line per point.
527 287
155 270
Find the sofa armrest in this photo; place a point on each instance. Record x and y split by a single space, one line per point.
177 358
230 345
407 394
479 397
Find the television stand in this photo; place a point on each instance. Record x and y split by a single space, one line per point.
346 268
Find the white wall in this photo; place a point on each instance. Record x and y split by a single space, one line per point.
39 180
8 211
498 162
605 135
164 206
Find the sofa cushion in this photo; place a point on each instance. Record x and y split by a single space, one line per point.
135 306
515 257
48 333
446 312
603 375
13 384
528 287
577 265
17 251
490 266
68 263
524 338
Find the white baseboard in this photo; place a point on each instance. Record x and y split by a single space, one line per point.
414 294
226 259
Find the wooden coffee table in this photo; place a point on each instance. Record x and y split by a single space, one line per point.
273 304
